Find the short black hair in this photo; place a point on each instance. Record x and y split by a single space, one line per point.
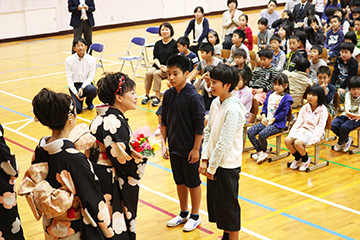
347 46
354 3
276 38
302 37
311 19
337 17
179 61
167 25
274 1
356 19
107 86
318 48
215 34
199 8
324 70
207 47
263 21
240 33
79 40
230 1
301 64
265 53
352 36
329 12
225 74
245 75
340 10
356 10
184 41
282 79
354 82
318 91
296 37
287 29
240 52
246 17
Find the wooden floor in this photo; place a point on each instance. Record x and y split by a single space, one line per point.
276 203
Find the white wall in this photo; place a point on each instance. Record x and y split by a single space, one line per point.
32 17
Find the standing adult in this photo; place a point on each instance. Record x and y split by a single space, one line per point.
200 28
82 19
163 49
10 219
230 22
80 71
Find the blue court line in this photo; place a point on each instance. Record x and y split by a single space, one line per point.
42 40
245 199
20 69
15 112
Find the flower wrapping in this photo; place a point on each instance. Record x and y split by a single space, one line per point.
142 142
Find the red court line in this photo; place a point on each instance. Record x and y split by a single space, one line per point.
140 200
172 215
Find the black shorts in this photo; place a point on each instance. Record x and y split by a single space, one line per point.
222 199
185 172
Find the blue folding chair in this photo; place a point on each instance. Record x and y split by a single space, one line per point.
152 30
98 47
138 42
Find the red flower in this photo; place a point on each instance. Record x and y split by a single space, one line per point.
138 149
135 144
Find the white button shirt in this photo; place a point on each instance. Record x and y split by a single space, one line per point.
79 70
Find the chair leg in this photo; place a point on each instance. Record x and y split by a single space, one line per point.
246 149
122 66
102 65
316 163
357 146
278 149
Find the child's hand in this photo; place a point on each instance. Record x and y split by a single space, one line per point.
164 151
163 68
203 166
193 156
259 90
341 91
271 121
209 176
264 121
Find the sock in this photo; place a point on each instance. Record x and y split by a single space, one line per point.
297 155
184 214
304 158
226 236
194 216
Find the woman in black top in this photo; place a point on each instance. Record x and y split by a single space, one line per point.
163 49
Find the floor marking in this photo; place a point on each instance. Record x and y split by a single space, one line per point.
9 123
25 124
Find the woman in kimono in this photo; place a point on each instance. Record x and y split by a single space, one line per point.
118 166
60 184
10 226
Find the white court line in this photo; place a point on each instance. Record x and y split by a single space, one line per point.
201 211
25 124
256 178
9 123
21 134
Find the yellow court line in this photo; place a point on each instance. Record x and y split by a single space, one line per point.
278 211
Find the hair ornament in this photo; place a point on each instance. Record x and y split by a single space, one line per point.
121 82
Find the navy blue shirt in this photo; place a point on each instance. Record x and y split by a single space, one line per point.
183 116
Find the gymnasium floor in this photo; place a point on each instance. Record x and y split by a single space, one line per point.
276 202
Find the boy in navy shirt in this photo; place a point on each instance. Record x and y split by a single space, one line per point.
334 37
182 123
183 47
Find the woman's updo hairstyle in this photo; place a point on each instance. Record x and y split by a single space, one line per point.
113 84
52 109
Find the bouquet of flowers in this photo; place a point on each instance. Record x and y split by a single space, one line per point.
143 144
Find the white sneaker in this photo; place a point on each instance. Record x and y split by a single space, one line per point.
255 156
295 164
305 165
158 131
348 144
177 221
191 224
338 147
262 157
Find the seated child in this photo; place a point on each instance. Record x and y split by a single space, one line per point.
237 39
349 120
357 31
205 88
299 81
284 33
264 35
345 68
183 44
213 38
243 92
273 117
243 20
293 54
314 32
279 57
308 128
350 36
334 37
344 24
240 58
302 48
263 77
315 62
207 55
355 14
323 79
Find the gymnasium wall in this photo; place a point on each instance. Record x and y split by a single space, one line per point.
21 18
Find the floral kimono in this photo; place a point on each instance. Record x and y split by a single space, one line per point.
61 185
119 169
10 226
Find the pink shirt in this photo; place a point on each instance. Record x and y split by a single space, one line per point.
245 96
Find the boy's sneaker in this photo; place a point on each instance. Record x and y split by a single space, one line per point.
255 156
90 106
305 165
262 157
177 221
145 100
155 102
191 224
338 147
295 164
348 144
158 131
